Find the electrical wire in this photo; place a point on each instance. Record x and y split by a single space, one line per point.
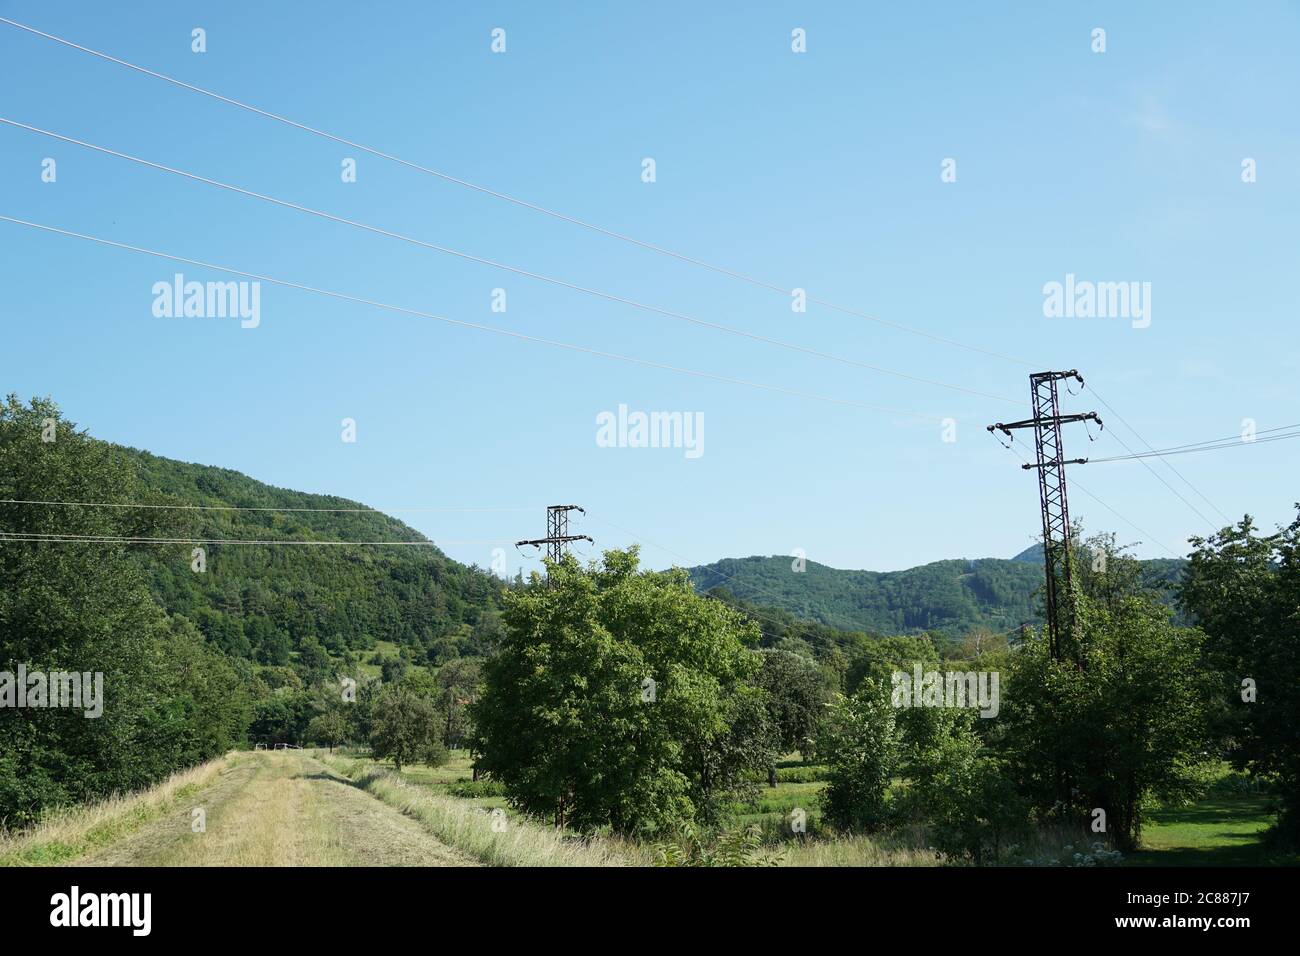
515 270
573 220
166 507
473 325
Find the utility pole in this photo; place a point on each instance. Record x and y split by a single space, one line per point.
557 532
1051 462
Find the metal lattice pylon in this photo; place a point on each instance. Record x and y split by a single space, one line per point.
557 532
1053 499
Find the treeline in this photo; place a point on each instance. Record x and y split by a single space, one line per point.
253 650
613 699
621 700
169 699
948 599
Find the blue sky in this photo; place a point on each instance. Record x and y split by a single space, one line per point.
819 170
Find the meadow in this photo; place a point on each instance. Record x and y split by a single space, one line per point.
346 809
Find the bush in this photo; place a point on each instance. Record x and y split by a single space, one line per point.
968 797
812 774
861 743
471 789
742 846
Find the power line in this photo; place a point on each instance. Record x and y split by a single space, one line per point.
730 273
583 224
1175 491
239 507
1214 445
473 325
1121 517
22 536
1125 423
597 293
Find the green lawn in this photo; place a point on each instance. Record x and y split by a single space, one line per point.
1218 831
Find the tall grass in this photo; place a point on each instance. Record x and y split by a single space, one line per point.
67 833
469 829
905 848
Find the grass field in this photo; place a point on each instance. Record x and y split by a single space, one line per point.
313 808
1224 829
280 808
1218 831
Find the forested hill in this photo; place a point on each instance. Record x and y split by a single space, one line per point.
268 603
946 597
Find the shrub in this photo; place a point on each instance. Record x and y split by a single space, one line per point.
861 742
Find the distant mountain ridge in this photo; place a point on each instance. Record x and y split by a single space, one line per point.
950 597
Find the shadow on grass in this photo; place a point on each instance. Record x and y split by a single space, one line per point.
328 778
1222 831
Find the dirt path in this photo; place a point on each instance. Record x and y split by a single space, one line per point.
280 808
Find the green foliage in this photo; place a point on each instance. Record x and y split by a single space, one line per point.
862 744
742 846
796 699
570 722
169 701
474 789
1244 590
302 605
810 774
875 661
406 727
330 728
946 598
966 794
1119 719
459 683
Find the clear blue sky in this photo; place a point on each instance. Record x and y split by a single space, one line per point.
819 170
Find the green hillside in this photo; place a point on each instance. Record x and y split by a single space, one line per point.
265 603
950 597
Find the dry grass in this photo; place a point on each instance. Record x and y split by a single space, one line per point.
859 851
469 829
282 809
74 831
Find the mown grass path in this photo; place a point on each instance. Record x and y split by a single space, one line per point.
280 808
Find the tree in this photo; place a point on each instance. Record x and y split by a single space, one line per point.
862 744
458 687
281 718
965 793
876 660
314 661
1244 591
329 728
166 700
1119 718
405 727
795 700
621 698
